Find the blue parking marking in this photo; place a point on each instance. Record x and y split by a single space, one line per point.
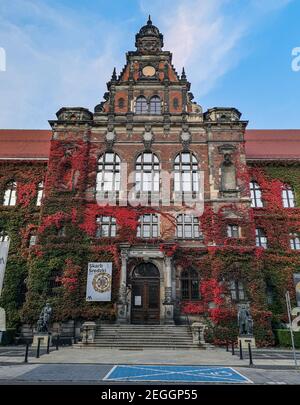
175 374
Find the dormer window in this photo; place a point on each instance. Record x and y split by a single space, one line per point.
155 105
142 106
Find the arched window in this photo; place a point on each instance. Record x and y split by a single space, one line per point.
147 172
148 226
155 105
10 194
3 236
288 196
186 176
190 285
40 192
261 238
188 227
295 241
255 191
108 174
141 106
145 270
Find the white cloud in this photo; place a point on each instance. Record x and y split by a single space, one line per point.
52 61
206 36
57 56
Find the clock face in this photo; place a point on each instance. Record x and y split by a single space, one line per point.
148 71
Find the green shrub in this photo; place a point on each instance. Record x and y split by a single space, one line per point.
283 338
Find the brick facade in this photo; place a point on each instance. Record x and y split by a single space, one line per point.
216 138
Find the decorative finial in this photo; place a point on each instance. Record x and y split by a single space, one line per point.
149 22
114 74
183 75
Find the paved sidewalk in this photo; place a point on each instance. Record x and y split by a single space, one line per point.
217 356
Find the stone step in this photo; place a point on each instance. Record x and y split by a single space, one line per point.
139 337
138 347
118 333
143 340
160 337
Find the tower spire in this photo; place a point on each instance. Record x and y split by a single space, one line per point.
183 75
149 22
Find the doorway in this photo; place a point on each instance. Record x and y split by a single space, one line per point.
145 300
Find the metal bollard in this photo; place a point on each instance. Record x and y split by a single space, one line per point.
241 350
26 353
232 348
227 348
250 355
38 348
48 345
57 342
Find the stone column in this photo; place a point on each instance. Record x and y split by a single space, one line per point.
168 302
122 302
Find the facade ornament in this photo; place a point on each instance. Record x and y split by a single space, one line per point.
226 149
185 139
148 139
110 139
114 75
149 40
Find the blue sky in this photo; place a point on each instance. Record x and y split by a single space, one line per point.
235 52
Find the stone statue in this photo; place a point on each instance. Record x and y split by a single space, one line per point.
43 321
245 322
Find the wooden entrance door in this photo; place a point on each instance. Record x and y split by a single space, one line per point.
145 302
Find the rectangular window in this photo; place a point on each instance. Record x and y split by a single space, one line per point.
256 196
148 226
106 227
261 238
236 291
10 197
187 226
295 241
233 231
32 240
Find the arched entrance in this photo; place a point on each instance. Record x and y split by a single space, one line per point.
145 299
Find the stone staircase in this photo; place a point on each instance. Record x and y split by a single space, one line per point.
137 337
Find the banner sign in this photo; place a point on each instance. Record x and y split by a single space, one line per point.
98 287
297 286
4 246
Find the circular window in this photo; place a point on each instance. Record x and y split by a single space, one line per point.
148 71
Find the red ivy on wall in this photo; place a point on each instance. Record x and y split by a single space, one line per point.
69 279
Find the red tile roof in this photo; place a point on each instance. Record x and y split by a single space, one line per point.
24 144
261 144
273 144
